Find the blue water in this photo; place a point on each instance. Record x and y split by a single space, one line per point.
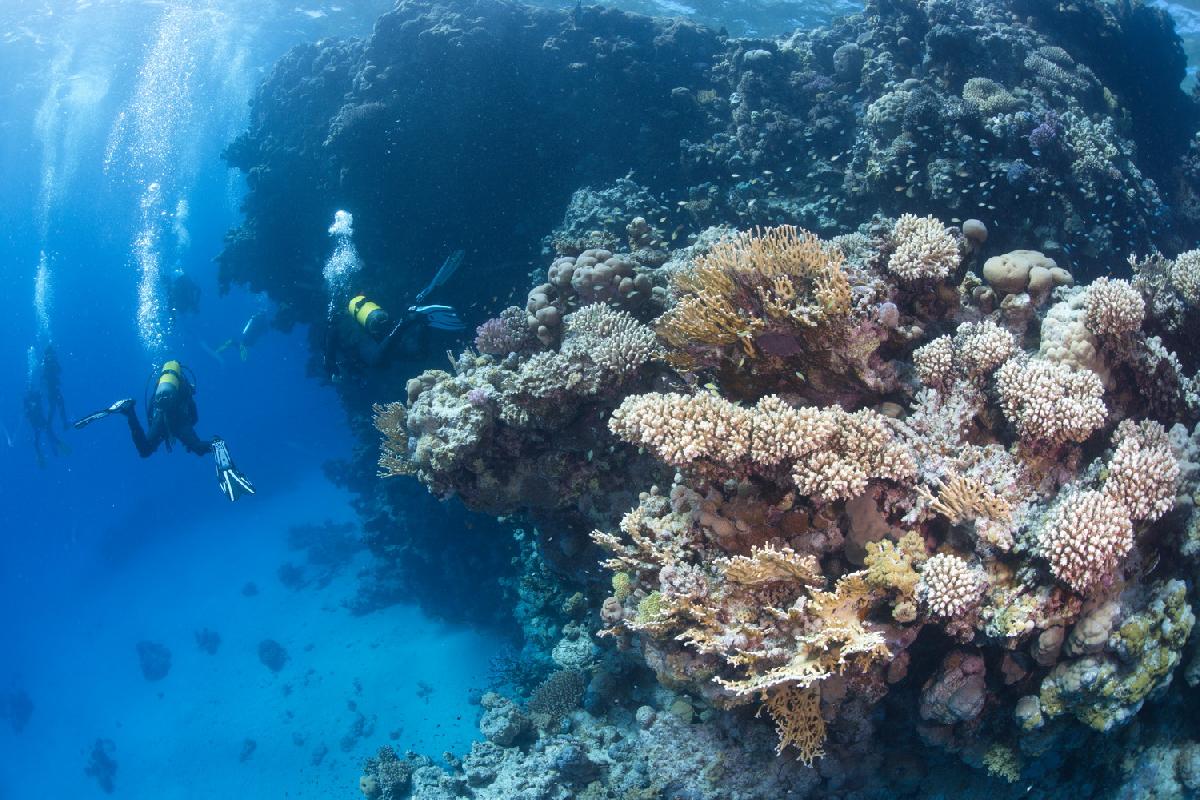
114 115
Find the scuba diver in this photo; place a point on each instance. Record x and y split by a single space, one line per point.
368 335
172 415
52 382
38 421
252 331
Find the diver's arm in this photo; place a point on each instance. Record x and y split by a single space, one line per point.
378 353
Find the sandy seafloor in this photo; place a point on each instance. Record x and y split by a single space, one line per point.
182 737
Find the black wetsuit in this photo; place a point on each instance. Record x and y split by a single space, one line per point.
36 416
351 348
173 415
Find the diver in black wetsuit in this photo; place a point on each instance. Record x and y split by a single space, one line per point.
173 416
36 416
368 337
52 381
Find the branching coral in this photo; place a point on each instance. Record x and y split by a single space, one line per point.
974 351
1143 470
1050 402
1085 538
775 281
1114 307
925 250
831 453
949 586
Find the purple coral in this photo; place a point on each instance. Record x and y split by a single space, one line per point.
479 396
507 333
1046 133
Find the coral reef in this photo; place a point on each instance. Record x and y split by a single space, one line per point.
272 654
154 660
877 488
102 765
814 548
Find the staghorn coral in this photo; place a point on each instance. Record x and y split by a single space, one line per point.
925 250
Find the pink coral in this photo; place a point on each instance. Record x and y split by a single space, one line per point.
1085 538
504 334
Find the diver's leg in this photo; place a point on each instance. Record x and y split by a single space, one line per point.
146 445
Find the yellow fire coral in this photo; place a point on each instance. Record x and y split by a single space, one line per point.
779 278
393 452
962 498
796 713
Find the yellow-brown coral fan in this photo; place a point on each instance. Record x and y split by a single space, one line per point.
842 640
782 279
925 250
393 452
962 498
796 713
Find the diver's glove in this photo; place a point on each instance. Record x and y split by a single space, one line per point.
233 483
444 318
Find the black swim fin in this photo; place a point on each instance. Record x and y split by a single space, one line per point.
118 407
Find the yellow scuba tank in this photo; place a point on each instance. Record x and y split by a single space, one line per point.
366 312
171 379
